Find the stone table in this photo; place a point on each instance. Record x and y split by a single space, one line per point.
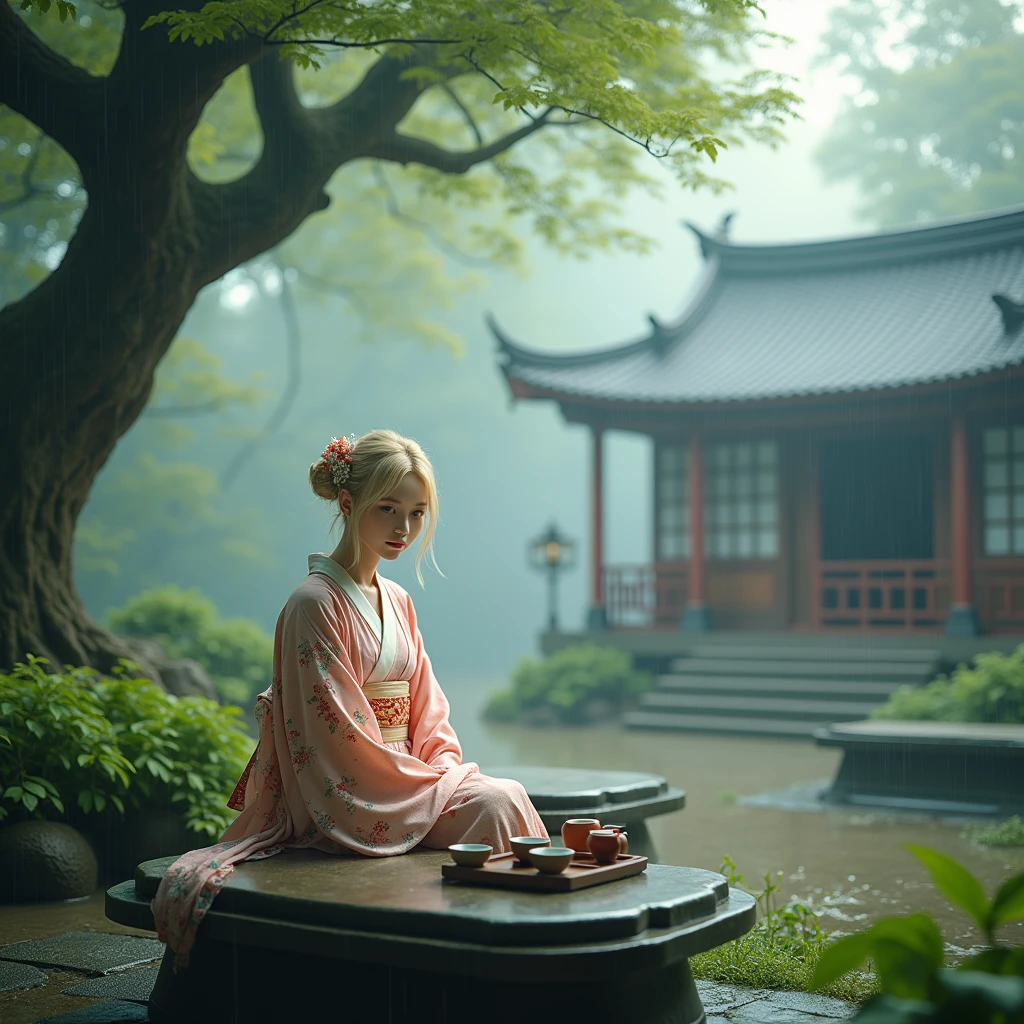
307 935
935 767
612 797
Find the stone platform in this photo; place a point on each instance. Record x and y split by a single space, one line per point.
959 768
438 950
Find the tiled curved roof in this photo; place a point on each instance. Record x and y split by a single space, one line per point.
882 311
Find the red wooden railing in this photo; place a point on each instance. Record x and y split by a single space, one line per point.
651 596
897 595
901 596
999 594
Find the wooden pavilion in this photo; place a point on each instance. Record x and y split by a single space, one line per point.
838 437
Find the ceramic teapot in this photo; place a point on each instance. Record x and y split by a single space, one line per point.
604 845
623 837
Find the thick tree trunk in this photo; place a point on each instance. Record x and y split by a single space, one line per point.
77 355
77 366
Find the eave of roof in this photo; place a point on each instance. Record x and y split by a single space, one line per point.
946 256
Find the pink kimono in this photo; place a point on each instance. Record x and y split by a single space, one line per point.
355 752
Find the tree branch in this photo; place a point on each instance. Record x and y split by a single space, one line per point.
303 147
43 87
404 149
465 111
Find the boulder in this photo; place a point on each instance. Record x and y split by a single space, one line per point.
42 861
182 677
185 678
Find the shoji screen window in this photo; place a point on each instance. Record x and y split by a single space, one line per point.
742 500
1003 479
673 503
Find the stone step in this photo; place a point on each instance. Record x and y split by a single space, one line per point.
911 671
719 724
699 703
815 651
830 689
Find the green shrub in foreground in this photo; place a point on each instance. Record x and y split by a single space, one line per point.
908 954
75 743
565 682
992 690
237 653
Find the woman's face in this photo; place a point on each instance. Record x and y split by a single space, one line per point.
390 525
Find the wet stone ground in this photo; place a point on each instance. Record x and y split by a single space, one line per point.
750 799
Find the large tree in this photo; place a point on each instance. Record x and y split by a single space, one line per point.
934 124
78 352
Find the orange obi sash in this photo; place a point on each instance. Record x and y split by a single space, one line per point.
391 707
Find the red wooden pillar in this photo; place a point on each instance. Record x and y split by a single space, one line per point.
697 617
597 616
962 619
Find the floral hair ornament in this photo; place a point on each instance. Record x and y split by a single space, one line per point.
338 457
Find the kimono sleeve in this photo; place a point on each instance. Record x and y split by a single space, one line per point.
356 791
433 739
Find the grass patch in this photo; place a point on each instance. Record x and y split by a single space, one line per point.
781 951
1004 833
760 960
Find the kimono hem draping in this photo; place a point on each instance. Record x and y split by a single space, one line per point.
322 776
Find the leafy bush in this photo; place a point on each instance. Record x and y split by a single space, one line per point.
908 954
236 653
1004 833
56 744
566 682
780 952
990 691
114 744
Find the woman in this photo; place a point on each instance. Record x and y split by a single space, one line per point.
355 753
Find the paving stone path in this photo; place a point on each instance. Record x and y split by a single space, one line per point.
123 977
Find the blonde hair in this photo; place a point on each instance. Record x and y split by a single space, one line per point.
380 461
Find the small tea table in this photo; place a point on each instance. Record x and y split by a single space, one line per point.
309 936
611 797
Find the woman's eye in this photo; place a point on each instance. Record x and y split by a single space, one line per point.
387 508
419 513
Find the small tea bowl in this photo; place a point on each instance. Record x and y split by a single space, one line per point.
551 860
522 845
470 855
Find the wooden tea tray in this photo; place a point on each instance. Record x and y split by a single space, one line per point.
505 871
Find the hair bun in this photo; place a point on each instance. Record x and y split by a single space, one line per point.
321 481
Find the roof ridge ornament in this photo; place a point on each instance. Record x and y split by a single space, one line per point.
1012 312
660 337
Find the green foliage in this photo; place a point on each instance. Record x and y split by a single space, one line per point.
57 745
669 78
188 752
1004 833
75 743
990 691
236 653
936 125
566 681
908 955
781 952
